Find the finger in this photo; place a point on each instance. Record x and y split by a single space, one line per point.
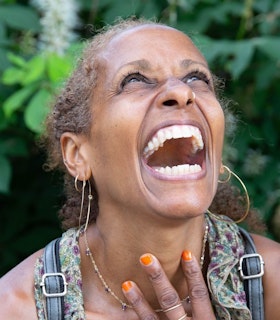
138 302
198 291
167 296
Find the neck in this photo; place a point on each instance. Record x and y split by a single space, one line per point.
116 251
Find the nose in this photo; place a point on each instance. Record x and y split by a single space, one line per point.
176 93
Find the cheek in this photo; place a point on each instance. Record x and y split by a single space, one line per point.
115 133
216 120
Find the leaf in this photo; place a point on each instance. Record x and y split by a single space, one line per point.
37 110
12 76
17 100
243 52
238 54
58 67
150 9
16 60
13 146
120 8
5 174
3 121
2 32
270 46
204 44
4 62
34 69
19 17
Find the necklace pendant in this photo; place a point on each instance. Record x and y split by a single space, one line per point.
87 252
124 306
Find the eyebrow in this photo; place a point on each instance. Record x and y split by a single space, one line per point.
142 63
145 64
187 62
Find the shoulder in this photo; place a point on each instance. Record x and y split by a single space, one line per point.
270 251
17 291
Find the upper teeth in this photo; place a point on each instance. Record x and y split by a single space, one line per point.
174 132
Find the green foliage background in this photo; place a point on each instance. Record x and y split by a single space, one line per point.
241 41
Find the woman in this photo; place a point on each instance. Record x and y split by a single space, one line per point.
139 130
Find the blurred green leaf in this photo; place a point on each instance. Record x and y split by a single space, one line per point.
16 59
13 147
34 69
270 46
4 62
17 100
58 67
13 76
19 17
242 52
120 8
36 110
5 174
2 32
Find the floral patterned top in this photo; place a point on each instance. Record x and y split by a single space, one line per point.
225 285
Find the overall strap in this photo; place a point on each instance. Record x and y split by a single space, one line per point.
54 285
251 269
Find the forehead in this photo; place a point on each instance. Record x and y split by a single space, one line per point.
154 43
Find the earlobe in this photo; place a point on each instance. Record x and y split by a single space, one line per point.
74 155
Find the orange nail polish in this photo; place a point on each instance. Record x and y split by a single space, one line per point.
126 286
187 255
146 259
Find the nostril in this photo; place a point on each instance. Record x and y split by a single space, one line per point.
170 103
189 101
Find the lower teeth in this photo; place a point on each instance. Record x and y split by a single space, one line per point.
179 170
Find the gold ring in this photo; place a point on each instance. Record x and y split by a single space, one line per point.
183 317
172 308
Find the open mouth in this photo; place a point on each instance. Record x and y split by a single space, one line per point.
175 150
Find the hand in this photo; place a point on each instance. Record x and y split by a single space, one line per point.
168 298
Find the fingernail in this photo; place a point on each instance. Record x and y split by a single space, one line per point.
126 286
146 259
187 255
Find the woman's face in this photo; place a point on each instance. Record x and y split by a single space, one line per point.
154 146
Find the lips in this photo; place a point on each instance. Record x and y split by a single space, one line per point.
175 150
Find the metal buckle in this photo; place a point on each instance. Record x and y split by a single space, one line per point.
55 294
248 256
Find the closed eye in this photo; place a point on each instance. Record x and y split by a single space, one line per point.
197 76
132 78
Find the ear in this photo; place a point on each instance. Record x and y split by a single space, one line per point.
222 168
74 153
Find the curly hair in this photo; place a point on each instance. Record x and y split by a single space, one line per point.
72 113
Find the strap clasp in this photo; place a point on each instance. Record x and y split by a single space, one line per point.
259 273
52 281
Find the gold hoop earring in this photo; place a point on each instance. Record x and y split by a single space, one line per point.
90 198
229 172
76 183
227 169
82 203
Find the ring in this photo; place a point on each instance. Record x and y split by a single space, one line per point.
172 308
183 317
187 299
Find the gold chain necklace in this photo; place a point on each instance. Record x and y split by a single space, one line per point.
125 305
